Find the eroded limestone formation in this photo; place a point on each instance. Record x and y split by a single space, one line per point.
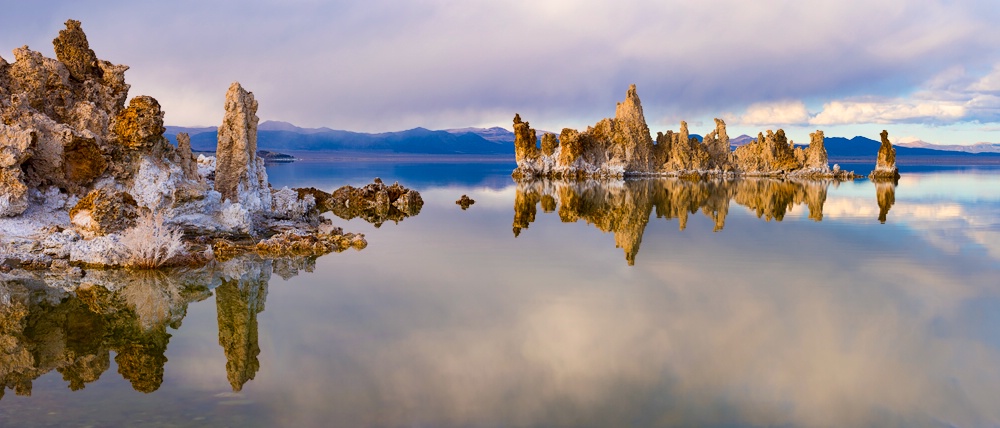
240 176
885 164
77 166
622 146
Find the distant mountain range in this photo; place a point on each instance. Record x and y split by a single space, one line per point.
972 148
284 136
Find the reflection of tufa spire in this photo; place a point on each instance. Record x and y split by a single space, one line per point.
624 207
885 191
238 301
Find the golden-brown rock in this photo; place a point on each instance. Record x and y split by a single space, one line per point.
885 164
465 202
376 203
104 211
73 50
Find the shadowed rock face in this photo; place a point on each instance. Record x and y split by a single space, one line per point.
624 208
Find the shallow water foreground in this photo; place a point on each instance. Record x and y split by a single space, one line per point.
802 309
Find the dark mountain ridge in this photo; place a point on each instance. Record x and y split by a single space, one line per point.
284 136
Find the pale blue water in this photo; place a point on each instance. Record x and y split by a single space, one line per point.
446 319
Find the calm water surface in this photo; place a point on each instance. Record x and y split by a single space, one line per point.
637 303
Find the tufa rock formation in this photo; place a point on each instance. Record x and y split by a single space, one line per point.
885 164
240 175
376 203
77 165
623 146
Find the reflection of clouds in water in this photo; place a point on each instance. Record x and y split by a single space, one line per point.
949 226
794 323
685 338
484 196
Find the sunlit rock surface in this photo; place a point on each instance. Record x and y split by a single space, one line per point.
622 146
239 174
67 322
74 156
885 164
625 207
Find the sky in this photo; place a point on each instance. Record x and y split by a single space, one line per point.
922 69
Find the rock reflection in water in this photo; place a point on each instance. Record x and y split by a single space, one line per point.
50 323
885 191
238 301
624 207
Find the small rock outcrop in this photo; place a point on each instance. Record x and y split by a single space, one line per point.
465 202
885 164
376 203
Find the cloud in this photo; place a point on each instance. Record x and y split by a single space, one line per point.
890 111
384 65
779 112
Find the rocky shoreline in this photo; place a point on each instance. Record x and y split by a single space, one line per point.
86 181
622 146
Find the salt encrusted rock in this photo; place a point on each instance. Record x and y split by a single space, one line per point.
104 211
68 140
885 164
288 205
240 175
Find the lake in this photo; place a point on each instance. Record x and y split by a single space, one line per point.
657 302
